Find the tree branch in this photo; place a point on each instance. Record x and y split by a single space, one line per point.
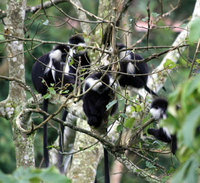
22 84
82 16
45 5
156 81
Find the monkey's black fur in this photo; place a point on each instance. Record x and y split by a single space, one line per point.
129 70
94 105
78 54
54 67
96 100
43 74
158 110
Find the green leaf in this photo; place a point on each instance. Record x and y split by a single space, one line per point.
83 70
34 175
190 86
187 173
192 175
133 109
51 90
179 176
123 115
190 125
171 170
138 108
51 175
7 178
2 38
150 165
111 104
194 33
155 14
164 179
119 128
169 64
129 123
46 96
80 48
171 123
183 25
197 61
66 91
145 19
71 61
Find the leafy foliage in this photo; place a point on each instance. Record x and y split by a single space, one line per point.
184 122
32 175
7 147
194 34
169 64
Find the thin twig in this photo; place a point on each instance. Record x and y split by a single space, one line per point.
148 22
194 59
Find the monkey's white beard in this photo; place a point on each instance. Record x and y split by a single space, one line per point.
156 113
90 82
165 129
130 68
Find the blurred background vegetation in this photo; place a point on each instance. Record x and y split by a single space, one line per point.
51 28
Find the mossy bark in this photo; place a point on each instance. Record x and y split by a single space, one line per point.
84 163
14 27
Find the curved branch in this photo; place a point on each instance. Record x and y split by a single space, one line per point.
45 5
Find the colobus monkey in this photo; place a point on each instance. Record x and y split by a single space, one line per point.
158 111
43 74
131 69
96 99
77 53
54 67
44 68
94 105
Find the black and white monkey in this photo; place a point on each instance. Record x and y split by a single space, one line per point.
158 110
77 54
95 101
129 70
44 73
45 69
54 67
76 57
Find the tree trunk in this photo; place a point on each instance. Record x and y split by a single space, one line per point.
17 96
84 163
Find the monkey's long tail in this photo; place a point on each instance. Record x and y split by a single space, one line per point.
45 135
150 91
61 141
106 166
